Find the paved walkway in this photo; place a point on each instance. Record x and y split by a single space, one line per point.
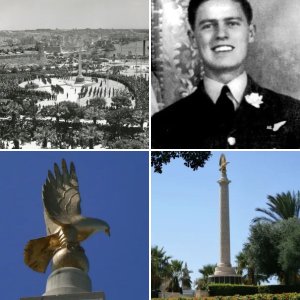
72 90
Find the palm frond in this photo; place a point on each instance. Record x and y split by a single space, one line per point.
280 207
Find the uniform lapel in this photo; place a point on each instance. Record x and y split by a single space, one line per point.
248 115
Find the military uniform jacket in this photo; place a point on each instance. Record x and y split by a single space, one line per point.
192 122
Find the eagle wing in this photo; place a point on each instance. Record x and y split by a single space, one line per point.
61 197
222 160
38 252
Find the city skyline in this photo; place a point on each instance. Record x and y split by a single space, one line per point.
74 14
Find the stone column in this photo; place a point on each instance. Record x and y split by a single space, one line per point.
79 78
224 273
80 64
224 266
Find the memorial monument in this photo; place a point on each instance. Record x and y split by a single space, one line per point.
79 78
224 273
66 228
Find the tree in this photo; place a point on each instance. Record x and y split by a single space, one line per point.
127 143
261 249
45 134
12 109
282 206
91 136
120 101
30 110
273 249
192 159
98 102
206 271
68 110
176 274
95 109
94 113
185 278
289 254
118 119
246 267
50 111
160 267
139 118
141 92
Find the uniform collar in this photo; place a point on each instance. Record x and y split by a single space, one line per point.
237 88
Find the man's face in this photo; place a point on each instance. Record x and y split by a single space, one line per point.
222 34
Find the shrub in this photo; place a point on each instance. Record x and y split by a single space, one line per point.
278 289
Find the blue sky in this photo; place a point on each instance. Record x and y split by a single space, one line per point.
68 14
113 186
185 203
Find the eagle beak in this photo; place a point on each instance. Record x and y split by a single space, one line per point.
107 231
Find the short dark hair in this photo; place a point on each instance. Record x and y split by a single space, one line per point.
194 4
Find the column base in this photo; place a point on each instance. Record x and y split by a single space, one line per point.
68 280
224 270
78 296
79 79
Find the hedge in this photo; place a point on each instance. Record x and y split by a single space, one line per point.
278 289
287 296
230 289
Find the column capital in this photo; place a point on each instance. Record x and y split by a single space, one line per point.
224 180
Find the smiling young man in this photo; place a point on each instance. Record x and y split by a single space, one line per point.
228 109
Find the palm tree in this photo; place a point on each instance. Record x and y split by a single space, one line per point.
45 134
94 113
207 270
245 263
160 267
281 207
242 260
12 109
201 283
91 136
185 278
176 275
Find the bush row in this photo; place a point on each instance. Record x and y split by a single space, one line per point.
286 296
230 290
278 289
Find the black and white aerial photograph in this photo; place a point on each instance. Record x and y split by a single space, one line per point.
74 74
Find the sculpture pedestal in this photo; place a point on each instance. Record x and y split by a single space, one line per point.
80 296
68 280
79 79
224 273
69 284
224 270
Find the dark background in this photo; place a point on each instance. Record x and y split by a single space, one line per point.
274 58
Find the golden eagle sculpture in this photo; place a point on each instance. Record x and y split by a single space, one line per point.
223 163
65 225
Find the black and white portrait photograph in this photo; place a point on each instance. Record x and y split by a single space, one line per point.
225 74
74 74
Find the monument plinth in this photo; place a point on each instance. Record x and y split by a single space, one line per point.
66 228
68 281
224 273
81 296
